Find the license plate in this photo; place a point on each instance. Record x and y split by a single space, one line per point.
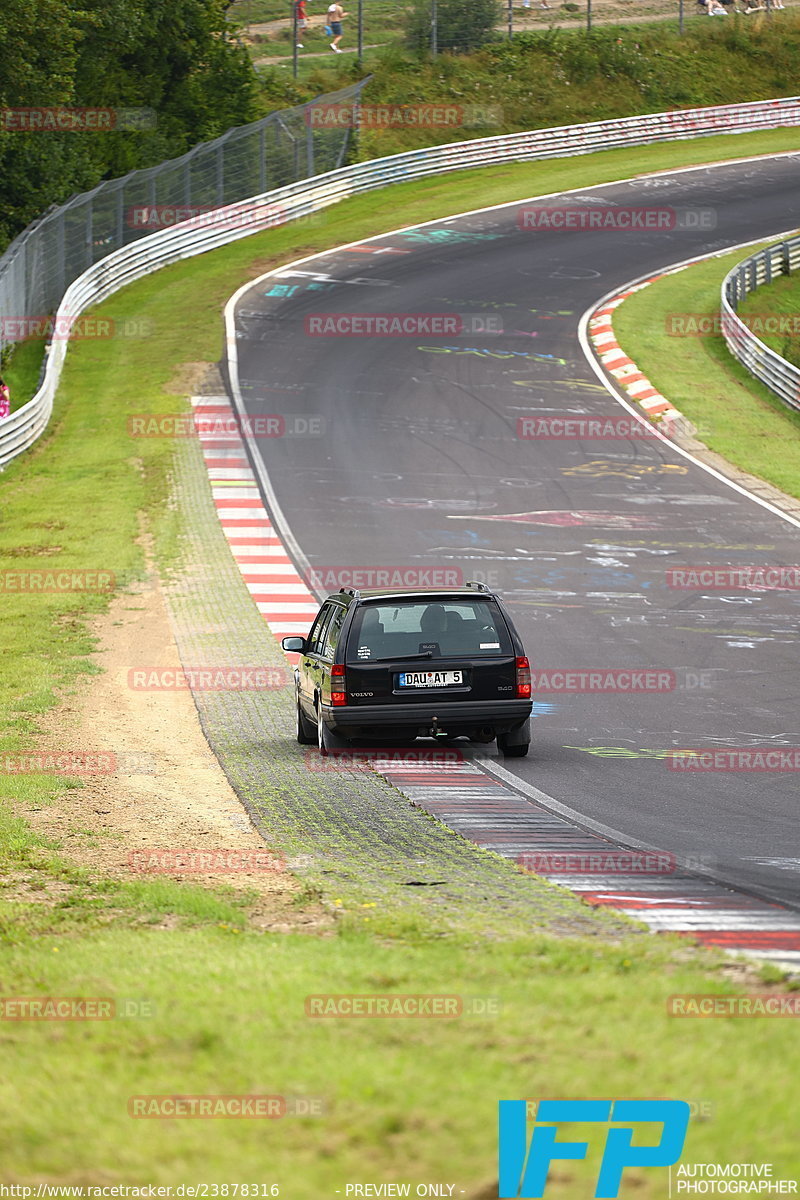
430 679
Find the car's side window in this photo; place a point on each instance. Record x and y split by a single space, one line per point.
316 639
333 630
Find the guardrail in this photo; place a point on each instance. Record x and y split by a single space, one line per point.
780 376
301 199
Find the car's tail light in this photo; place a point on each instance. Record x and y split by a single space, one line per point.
523 678
339 696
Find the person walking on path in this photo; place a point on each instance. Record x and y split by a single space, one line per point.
336 15
302 22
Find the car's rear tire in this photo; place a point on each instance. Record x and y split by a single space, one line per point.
514 742
306 733
327 740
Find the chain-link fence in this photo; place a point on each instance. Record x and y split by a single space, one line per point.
280 149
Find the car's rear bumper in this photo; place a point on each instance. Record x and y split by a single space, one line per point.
501 714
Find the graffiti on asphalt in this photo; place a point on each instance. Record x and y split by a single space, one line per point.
573 517
599 468
483 352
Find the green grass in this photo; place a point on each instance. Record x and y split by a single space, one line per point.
737 416
404 1099
411 1099
21 367
778 299
551 77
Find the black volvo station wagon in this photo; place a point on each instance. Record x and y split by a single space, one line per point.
396 666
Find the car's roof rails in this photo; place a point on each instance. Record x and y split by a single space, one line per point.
348 591
481 587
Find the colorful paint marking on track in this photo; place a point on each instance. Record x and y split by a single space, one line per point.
467 798
494 816
624 370
272 579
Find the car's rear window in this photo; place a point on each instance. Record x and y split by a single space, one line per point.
446 627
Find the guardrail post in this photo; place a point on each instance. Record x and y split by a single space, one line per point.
310 149
61 254
765 364
262 151
120 198
220 171
89 234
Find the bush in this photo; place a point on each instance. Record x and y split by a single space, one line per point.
461 25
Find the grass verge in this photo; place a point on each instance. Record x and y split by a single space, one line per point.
779 299
735 415
22 368
405 1099
220 1007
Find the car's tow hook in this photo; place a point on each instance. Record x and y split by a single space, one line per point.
435 730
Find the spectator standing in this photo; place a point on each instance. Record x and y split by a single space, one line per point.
5 399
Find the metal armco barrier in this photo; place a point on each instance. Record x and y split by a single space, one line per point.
307 196
780 376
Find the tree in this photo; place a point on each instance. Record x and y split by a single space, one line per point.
174 57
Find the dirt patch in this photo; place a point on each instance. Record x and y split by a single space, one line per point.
187 378
167 791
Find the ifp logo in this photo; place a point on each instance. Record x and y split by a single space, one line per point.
523 1168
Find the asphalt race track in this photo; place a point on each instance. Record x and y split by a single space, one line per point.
421 467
